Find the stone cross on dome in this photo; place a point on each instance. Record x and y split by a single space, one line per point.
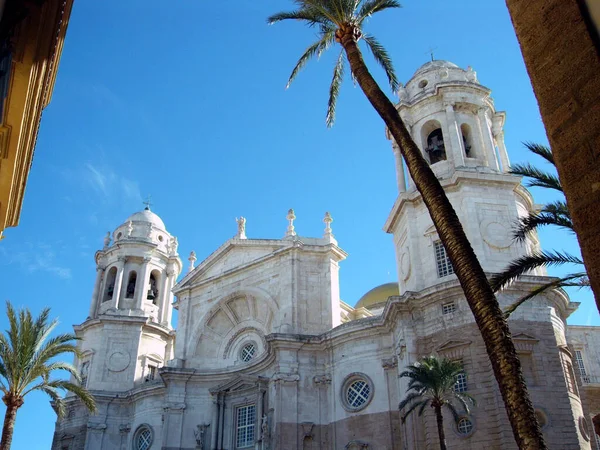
147 202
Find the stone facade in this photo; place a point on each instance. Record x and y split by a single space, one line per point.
265 354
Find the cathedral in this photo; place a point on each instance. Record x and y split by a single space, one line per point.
266 356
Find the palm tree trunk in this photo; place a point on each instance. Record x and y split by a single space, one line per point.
9 425
440 426
479 295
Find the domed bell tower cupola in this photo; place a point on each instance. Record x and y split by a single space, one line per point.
452 119
136 270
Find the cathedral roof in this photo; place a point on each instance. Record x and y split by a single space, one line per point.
436 64
147 216
378 294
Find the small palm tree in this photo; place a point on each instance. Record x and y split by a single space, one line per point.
342 22
554 213
432 383
27 361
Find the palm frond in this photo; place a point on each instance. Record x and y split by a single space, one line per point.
334 89
555 213
309 15
408 399
536 177
579 279
453 411
413 407
524 264
540 150
80 392
315 49
59 403
383 59
371 7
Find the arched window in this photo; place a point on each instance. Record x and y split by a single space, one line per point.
467 139
152 294
110 284
435 146
131 281
143 437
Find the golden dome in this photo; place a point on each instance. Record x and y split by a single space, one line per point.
378 294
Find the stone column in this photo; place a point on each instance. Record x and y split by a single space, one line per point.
489 148
215 423
456 142
118 282
95 435
399 169
221 421
259 414
167 312
142 287
499 136
95 293
163 295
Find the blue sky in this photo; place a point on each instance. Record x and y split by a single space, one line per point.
187 104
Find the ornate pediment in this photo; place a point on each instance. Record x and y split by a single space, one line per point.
524 342
240 383
453 348
356 445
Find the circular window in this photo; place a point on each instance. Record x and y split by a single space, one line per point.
143 437
464 426
584 428
119 235
248 352
160 238
357 392
423 83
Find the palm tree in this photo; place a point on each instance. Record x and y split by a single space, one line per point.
341 21
554 213
27 361
432 383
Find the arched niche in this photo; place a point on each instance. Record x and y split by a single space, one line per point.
110 284
467 137
131 283
434 145
153 284
236 318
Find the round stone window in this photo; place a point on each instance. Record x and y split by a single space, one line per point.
357 392
464 426
160 238
248 351
423 83
142 440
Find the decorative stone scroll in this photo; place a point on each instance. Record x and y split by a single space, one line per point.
389 363
322 380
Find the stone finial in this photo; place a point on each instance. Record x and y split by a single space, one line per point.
241 233
471 75
129 228
192 259
173 245
290 229
402 94
107 239
328 219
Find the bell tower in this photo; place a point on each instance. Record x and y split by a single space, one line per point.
452 119
128 334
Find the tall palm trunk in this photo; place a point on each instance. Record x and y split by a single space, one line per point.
12 405
481 299
440 426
